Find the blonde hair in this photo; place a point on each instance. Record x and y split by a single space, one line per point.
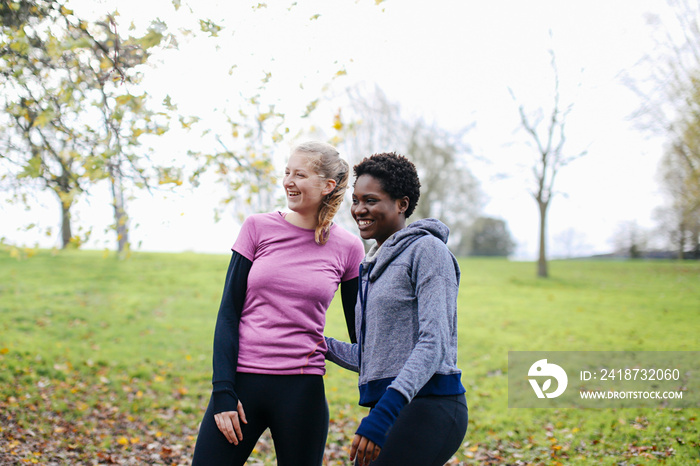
327 163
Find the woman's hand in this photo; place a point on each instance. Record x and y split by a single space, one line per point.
229 423
364 449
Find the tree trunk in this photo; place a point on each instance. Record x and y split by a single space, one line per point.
120 218
542 260
66 233
65 199
681 241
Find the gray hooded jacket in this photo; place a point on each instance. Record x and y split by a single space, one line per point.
406 317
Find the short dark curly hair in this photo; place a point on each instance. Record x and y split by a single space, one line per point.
396 174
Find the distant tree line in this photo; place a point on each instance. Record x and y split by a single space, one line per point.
73 116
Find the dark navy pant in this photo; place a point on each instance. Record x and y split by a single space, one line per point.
293 407
428 431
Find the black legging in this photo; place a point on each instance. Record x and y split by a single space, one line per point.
428 431
294 407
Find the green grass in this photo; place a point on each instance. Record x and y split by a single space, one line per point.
104 359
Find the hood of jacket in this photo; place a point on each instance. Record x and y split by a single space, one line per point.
402 239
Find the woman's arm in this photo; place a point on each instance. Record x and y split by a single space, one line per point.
225 359
348 295
343 354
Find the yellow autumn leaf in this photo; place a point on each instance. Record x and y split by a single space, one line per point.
123 441
44 118
123 99
337 122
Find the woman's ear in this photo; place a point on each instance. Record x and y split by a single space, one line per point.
329 187
402 204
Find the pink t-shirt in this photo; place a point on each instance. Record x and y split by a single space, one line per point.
290 286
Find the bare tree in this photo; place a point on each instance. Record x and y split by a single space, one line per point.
549 136
670 108
669 71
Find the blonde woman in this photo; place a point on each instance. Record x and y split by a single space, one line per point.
268 343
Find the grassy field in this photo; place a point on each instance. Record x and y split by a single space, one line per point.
105 361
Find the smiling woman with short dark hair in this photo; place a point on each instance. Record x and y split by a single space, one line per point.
396 174
406 324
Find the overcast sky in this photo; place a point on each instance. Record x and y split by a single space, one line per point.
450 62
